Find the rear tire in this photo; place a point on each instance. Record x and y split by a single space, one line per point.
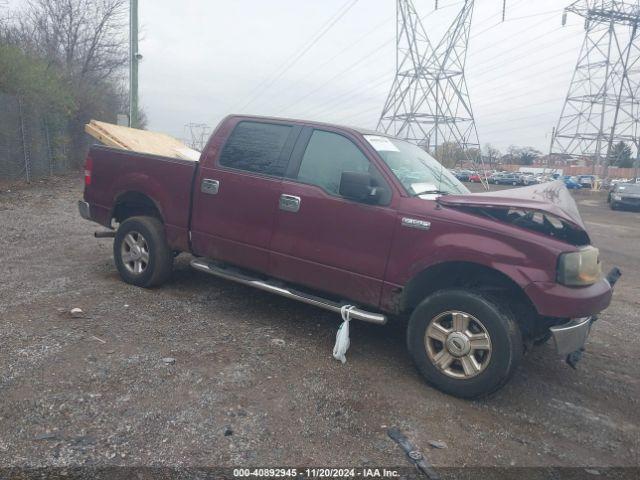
465 344
141 253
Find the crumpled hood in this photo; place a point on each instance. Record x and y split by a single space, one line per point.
551 197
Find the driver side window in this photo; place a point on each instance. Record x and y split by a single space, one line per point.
326 157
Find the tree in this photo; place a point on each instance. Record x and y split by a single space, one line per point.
523 155
86 39
492 154
620 155
83 41
30 78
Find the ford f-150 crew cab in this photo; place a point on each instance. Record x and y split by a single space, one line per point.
336 216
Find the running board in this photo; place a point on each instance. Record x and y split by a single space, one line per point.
236 276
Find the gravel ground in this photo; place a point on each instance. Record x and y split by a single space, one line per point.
253 381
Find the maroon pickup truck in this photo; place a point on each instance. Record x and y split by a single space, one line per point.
336 216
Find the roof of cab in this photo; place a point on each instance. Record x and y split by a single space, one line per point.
311 123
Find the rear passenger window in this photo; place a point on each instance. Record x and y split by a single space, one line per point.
257 147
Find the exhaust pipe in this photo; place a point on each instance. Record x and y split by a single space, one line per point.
105 234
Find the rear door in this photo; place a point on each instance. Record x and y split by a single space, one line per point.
238 190
322 240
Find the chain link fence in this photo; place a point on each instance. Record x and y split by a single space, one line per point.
30 146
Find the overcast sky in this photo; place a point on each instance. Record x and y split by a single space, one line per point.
204 59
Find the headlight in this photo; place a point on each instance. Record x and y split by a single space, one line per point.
617 198
580 268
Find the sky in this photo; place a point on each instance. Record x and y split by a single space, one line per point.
204 59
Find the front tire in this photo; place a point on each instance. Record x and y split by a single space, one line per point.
141 253
464 343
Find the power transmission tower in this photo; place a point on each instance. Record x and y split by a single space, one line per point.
602 107
429 102
198 135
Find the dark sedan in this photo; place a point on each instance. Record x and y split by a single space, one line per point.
509 179
625 195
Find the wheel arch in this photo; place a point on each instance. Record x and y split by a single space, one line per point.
472 276
134 203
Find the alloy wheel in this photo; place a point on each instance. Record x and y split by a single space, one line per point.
458 344
135 253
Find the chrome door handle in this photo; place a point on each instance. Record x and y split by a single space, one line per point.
210 186
289 203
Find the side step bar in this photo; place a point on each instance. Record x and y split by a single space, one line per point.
233 275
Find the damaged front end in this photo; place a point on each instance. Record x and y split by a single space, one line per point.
549 209
546 208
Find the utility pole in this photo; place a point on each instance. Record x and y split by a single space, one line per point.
134 58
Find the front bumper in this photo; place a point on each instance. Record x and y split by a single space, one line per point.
630 202
571 336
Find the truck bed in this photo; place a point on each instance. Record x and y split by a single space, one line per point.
117 174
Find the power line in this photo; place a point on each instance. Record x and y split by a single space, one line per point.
359 62
518 46
289 63
356 42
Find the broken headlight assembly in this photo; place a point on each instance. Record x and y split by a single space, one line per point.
581 268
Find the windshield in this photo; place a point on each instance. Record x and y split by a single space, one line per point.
418 171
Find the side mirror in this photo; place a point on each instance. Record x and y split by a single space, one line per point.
359 187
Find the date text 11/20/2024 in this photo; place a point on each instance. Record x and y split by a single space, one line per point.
315 473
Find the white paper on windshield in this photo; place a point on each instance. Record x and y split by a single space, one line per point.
381 144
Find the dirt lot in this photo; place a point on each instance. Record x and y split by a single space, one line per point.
254 382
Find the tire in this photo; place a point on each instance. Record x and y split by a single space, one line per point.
141 253
515 184
614 206
486 317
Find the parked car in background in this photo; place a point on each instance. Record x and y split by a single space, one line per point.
571 182
542 178
587 181
509 179
463 175
625 195
529 179
493 178
475 178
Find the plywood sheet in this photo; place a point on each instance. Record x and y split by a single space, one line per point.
142 141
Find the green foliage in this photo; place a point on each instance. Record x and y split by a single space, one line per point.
35 82
621 156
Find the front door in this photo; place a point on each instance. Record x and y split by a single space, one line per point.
323 240
237 194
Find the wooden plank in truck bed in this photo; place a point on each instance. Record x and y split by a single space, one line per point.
141 141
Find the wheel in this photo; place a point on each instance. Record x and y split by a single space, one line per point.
515 183
464 343
613 205
141 253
